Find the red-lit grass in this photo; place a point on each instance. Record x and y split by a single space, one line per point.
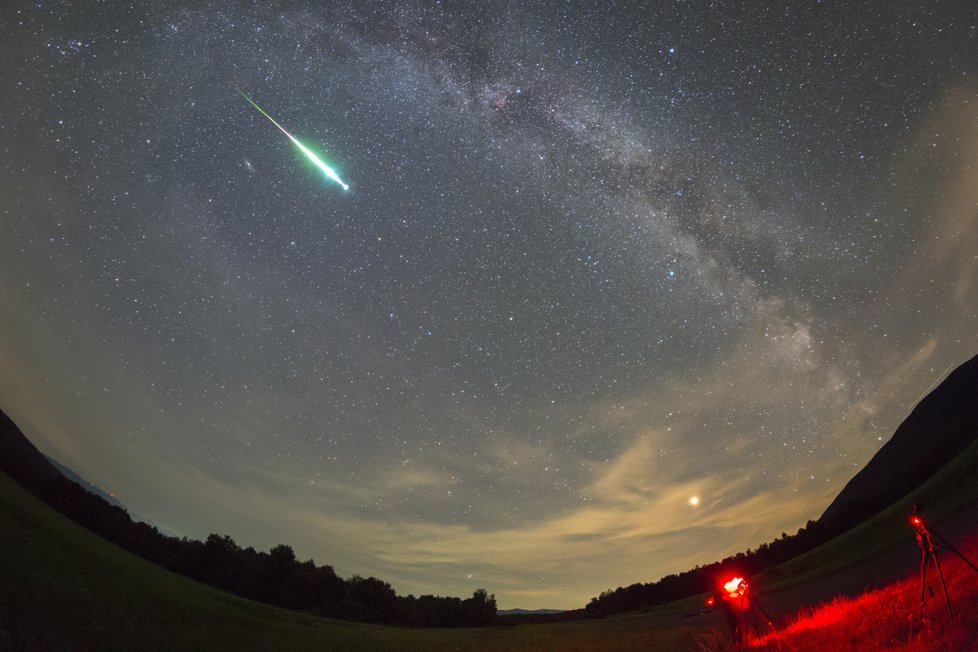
889 618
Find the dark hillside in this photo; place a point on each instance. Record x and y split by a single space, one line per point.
21 460
942 425
85 484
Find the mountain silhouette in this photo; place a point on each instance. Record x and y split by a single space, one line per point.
942 425
21 460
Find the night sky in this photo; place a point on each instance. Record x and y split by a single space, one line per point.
613 292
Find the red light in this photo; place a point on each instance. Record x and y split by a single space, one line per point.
916 520
736 587
710 601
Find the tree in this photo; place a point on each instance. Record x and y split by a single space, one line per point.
480 609
376 597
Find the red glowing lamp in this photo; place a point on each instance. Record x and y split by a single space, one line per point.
736 587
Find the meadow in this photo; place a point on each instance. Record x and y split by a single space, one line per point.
890 617
63 587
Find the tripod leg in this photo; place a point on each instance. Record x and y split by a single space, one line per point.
940 574
923 581
753 615
767 619
954 550
741 633
966 560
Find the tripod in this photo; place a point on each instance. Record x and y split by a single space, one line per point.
928 552
739 602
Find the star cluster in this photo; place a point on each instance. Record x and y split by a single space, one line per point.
594 262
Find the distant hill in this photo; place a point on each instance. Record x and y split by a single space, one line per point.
93 488
942 425
85 484
21 460
529 612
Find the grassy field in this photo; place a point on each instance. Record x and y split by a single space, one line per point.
882 549
890 617
62 587
861 591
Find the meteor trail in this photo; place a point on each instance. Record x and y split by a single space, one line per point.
328 171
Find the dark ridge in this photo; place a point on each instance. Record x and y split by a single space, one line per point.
942 425
21 460
85 484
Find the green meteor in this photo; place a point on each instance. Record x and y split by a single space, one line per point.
328 171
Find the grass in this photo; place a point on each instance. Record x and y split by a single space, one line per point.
890 617
871 584
62 587
880 549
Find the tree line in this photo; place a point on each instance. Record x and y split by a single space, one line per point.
278 578
707 578
275 577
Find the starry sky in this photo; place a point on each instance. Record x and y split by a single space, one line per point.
613 291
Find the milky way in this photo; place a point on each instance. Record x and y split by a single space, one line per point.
592 263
